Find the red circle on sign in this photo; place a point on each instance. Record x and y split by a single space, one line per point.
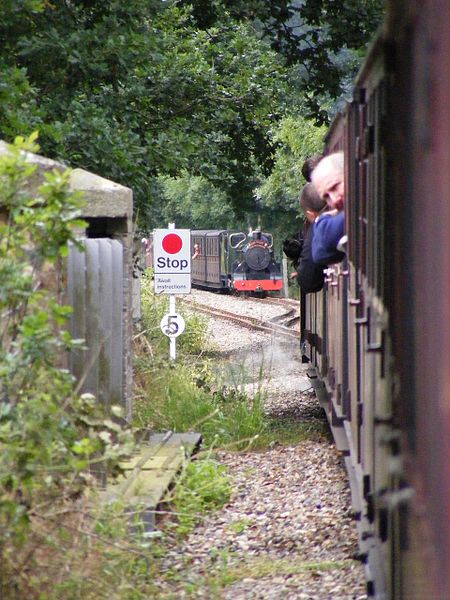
172 243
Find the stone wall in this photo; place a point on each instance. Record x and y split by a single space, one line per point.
109 214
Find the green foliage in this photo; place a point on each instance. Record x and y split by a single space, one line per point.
202 487
241 419
150 92
194 202
19 112
241 525
297 139
175 402
310 35
49 436
135 91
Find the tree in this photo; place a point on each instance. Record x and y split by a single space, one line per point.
297 138
143 89
308 33
192 201
134 91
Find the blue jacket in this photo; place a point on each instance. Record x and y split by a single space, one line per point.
328 231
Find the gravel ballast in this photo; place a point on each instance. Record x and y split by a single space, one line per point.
287 531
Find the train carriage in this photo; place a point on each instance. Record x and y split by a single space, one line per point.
378 335
210 264
235 261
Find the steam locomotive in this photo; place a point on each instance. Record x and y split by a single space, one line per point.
378 335
233 261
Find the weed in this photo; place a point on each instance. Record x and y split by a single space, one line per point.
182 398
203 486
228 569
289 432
241 525
268 567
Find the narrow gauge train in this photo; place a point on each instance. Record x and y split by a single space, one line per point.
378 336
233 261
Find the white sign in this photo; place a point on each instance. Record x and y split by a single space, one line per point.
172 261
172 325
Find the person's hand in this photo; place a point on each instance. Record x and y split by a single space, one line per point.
293 274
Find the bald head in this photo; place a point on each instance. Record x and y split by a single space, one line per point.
328 179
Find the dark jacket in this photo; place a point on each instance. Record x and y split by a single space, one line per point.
309 274
292 247
328 230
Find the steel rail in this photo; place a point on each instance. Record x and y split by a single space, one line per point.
249 322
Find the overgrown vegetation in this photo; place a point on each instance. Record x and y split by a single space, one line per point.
203 486
185 397
231 568
197 395
50 436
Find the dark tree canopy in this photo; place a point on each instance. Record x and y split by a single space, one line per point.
308 33
143 89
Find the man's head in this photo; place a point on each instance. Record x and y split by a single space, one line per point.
328 179
309 165
311 203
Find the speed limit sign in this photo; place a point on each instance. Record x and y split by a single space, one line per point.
172 325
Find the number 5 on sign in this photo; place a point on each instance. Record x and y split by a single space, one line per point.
172 325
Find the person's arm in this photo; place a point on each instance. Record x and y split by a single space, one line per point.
327 232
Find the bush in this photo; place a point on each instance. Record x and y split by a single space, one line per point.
49 435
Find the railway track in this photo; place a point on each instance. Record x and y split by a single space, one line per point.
292 316
280 301
281 325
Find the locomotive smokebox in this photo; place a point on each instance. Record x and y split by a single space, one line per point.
257 257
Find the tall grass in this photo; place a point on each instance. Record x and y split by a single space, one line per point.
189 395
174 401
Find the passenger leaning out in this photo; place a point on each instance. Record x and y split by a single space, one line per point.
329 228
310 275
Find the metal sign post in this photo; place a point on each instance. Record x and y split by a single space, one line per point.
285 278
172 311
172 267
173 339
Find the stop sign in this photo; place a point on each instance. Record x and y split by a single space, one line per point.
172 261
172 243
